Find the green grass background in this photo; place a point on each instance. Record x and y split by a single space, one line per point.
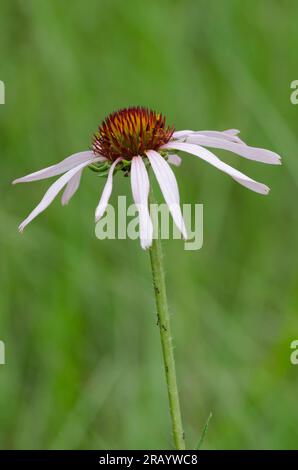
77 314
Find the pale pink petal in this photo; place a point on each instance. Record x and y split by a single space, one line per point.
251 153
100 210
52 192
168 185
232 131
174 160
229 134
65 165
140 190
184 133
71 188
209 157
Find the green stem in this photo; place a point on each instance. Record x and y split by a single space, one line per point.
163 316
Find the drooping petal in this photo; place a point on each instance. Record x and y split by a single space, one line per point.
61 167
174 160
52 192
140 190
251 153
168 185
229 134
71 188
180 134
102 205
209 157
232 131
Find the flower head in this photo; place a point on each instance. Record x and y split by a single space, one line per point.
130 132
131 139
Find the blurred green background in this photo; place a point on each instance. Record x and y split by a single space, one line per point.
77 317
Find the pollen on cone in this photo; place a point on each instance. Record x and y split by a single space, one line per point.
130 132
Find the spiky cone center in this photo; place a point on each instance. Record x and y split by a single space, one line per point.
130 132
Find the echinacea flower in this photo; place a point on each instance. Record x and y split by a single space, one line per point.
130 140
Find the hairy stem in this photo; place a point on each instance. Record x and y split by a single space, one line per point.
163 316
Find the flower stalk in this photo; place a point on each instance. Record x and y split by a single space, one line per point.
163 317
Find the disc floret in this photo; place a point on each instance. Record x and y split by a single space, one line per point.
130 132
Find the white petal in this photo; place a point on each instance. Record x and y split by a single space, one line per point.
100 210
52 192
209 157
65 165
140 190
174 160
232 131
179 134
229 134
71 188
168 185
251 153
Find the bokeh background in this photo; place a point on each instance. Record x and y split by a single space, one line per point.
83 358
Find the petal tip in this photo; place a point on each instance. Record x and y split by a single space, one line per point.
184 234
146 244
276 160
64 202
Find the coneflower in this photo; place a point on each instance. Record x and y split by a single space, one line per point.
130 141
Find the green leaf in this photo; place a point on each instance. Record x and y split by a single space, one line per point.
203 435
